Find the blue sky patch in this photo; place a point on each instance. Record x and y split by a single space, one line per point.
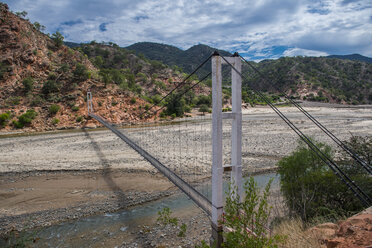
102 27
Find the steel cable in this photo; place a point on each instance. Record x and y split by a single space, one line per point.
318 124
365 199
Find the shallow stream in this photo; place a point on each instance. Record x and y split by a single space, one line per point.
114 228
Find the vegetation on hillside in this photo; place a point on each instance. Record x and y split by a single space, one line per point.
345 79
316 79
176 58
149 79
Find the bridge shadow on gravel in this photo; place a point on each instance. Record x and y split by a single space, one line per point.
107 172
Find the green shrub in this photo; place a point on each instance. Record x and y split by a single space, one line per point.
164 217
52 76
64 68
28 84
55 121
25 119
183 229
312 190
81 72
36 101
79 119
253 213
4 118
14 100
50 86
53 109
133 100
75 108
156 99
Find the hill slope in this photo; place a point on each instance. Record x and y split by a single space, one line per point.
316 79
43 83
356 57
187 60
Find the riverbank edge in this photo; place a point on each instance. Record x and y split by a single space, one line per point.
31 221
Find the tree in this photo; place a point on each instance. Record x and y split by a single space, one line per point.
39 27
57 37
22 14
176 105
50 86
203 108
312 190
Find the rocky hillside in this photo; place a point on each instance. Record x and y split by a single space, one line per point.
43 83
337 79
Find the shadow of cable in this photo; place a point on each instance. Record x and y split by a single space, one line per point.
107 172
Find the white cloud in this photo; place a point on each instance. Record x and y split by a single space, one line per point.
312 27
303 52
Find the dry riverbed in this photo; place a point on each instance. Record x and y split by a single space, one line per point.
52 177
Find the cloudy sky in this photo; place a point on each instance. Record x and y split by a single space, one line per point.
256 28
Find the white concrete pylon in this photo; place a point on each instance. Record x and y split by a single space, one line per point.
236 140
89 102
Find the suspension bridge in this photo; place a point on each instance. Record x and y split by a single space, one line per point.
217 161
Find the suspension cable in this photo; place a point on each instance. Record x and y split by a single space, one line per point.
318 124
365 199
181 83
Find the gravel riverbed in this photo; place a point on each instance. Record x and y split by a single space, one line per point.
54 177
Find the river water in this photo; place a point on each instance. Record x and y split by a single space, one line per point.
117 227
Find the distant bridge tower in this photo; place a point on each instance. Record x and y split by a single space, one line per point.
89 102
236 140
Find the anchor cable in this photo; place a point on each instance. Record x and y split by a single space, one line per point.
363 197
318 124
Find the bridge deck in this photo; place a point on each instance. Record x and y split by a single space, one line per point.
197 197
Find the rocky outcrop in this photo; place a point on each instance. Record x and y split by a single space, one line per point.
355 232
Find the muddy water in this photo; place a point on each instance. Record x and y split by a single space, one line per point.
114 228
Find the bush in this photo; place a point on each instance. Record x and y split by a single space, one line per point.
133 100
4 118
28 84
75 108
81 72
248 219
25 119
164 217
14 100
55 121
312 190
36 100
156 99
79 119
53 109
50 86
